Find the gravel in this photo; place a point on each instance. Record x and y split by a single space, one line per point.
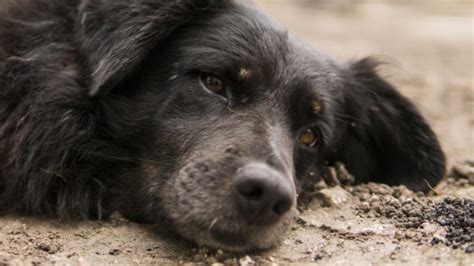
413 210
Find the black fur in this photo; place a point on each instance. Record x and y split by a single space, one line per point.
101 110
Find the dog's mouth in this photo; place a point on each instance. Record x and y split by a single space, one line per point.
239 238
229 238
260 237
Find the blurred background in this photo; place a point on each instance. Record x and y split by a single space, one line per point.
428 43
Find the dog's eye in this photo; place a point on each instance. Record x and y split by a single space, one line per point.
213 83
308 138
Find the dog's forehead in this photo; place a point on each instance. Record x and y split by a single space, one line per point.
241 35
308 64
252 45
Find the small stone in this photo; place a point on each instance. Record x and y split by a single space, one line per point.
470 249
246 261
317 257
411 235
365 206
211 260
429 228
333 197
441 221
393 256
115 252
71 255
320 185
398 235
301 221
232 261
44 247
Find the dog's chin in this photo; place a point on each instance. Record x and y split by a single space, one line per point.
251 238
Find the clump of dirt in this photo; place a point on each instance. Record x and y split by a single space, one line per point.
219 257
409 210
413 211
400 203
328 191
457 215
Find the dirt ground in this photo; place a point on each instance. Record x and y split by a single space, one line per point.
429 47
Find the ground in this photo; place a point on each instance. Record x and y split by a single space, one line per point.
429 47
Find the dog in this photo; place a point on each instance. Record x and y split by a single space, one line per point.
202 114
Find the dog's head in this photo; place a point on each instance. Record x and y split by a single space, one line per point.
231 116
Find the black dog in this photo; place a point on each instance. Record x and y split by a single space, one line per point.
201 112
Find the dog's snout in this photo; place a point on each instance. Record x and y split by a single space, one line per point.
263 194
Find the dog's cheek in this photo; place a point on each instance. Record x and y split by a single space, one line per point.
197 192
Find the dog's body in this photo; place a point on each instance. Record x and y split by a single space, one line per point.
202 112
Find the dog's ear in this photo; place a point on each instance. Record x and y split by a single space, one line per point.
386 139
116 35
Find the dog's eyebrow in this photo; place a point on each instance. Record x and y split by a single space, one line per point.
316 106
245 73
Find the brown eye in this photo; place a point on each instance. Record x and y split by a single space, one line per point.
308 138
213 83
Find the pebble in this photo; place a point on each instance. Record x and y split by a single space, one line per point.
452 217
333 197
44 247
115 252
470 248
246 261
365 206
398 235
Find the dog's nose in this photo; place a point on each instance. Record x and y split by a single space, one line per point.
263 194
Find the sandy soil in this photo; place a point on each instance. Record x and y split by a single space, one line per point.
429 45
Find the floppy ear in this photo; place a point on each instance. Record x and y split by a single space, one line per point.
387 139
117 35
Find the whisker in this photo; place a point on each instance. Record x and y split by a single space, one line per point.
214 222
351 117
351 123
342 120
127 159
